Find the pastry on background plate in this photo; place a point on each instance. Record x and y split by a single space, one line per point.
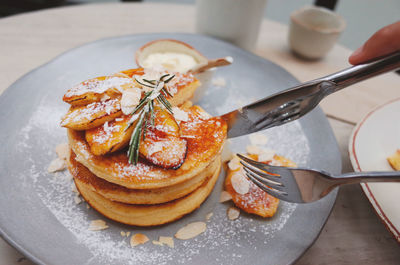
394 160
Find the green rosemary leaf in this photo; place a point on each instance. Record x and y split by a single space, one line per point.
143 84
133 151
165 103
152 115
146 119
147 113
163 76
153 82
169 79
166 92
142 102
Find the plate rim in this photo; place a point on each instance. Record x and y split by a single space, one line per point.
356 166
5 92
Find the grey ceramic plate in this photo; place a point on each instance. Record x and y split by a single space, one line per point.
38 214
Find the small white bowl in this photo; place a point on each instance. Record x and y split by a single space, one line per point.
314 31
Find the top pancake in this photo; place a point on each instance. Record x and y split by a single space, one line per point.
205 138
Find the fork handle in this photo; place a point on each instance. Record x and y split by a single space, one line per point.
355 74
369 176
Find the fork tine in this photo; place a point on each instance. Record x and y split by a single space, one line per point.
265 181
276 193
263 174
256 164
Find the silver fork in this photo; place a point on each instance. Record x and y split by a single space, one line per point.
295 102
303 185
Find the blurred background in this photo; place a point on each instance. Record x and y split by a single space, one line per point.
363 17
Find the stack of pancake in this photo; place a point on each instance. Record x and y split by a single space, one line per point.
173 176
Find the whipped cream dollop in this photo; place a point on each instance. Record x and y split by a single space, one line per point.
176 62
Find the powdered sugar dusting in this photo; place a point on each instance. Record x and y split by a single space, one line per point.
107 246
108 130
98 86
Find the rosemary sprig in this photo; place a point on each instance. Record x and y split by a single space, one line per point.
144 112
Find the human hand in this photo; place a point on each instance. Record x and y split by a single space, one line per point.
383 42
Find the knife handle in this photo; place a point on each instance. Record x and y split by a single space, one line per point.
358 73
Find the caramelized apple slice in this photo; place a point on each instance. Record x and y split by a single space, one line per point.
246 195
110 137
168 153
92 115
162 145
131 72
97 89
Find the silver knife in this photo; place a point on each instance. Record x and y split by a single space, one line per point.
295 102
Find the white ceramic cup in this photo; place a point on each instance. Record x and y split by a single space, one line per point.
236 21
314 31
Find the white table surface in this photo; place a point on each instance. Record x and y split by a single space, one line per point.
353 233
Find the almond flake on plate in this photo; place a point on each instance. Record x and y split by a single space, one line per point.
240 183
97 225
258 139
123 233
77 199
225 196
167 240
158 243
233 213
138 239
234 164
73 188
57 164
62 151
219 81
191 230
266 155
208 216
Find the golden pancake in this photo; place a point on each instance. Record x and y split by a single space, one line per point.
205 138
148 215
121 194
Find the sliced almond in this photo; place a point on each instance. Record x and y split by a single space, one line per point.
73 188
158 243
179 114
130 99
233 213
240 183
225 196
77 199
266 155
208 216
97 225
123 233
191 230
219 81
62 151
128 234
254 150
234 164
57 164
258 139
138 239
167 240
